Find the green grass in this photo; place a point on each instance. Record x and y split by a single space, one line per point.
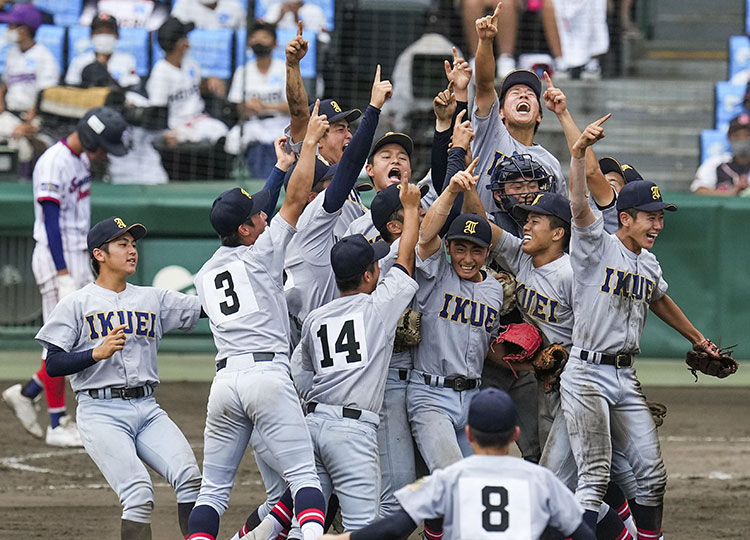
18 365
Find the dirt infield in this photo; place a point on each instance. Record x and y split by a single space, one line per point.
45 492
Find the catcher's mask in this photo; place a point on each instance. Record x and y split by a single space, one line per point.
518 168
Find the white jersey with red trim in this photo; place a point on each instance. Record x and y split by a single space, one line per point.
27 73
62 176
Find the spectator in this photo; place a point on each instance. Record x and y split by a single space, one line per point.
259 91
210 14
147 14
584 34
508 32
29 69
176 83
286 13
726 175
104 35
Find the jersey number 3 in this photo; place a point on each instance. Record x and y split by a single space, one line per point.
347 336
228 293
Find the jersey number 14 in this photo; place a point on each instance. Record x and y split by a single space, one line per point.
341 343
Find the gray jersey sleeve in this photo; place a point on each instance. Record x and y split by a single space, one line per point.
565 513
178 310
393 295
426 498
302 370
63 326
587 247
508 252
270 247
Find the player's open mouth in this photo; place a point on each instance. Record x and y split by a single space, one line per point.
523 107
465 268
394 173
651 237
526 238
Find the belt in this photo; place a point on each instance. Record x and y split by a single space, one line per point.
346 412
403 374
620 360
257 357
458 383
124 393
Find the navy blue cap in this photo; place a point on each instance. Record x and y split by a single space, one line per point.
642 195
386 202
472 227
234 207
171 32
521 76
609 164
548 204
109 229
492 411
401 139
351 255
630 174
334 112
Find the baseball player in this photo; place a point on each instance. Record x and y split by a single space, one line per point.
60 261
106 336
506 123
459 303
490 495
616 279
241 289
346 348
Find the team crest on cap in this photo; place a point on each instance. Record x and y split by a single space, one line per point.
120 223
536 199
471 227
655 193
335 106
625 167
245 193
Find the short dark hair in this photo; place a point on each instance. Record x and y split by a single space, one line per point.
632 212
397 215
554 223
263 26
233 239
95 266
352 283
492 440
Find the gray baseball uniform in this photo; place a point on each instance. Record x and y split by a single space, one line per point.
347 343
486 497
119 433
459 318
612 290
241 290
492 143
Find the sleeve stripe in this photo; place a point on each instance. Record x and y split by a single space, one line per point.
52 199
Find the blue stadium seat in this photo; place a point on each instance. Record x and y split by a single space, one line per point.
747 16
132 40
65 12
328 7
308 67
3 47
53 37
739 55
728 103
713 143
212 49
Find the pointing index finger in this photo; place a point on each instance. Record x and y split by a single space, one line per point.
603 119
496 14
377 74
548 80
316 107
455 55
470 168
300 26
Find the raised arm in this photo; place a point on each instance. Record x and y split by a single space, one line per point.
275 179
484 61
579 206
410 197
473 205
555 100
296 96
429 241
302 178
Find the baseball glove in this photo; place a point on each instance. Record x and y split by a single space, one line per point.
549 364
509 284
521 342
658 411
408 330
709 359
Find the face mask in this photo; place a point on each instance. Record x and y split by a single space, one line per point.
261 51
11 35
104 43
740 148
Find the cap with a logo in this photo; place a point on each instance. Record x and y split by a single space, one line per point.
386 202
234 207
25 14
642 195
548 204
109 229
609 165
401 139
351 255
521 76
472 227
630 174
102 21
741 121
334 112
104 126
492 411
171 32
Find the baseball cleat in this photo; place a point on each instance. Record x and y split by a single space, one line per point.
261 532
65 435
24 410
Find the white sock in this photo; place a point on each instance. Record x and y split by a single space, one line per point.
630 526
311 531
268 529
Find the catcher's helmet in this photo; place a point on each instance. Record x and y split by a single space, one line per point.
105 127
518 168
